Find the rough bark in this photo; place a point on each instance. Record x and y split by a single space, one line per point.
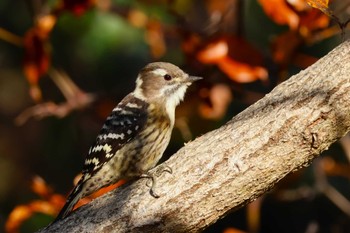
233 165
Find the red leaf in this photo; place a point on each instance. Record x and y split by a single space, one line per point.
78 7
36 57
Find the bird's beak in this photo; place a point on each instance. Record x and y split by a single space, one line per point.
192 79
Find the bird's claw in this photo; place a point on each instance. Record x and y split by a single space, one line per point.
152 178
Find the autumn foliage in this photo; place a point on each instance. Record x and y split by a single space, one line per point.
243 49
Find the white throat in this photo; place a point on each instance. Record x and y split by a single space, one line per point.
173 101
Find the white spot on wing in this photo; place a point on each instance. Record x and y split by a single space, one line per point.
95 161
125 112
129 131
132 105
86 176
112 136
107 148
117 109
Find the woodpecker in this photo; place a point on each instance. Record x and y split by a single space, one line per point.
136 133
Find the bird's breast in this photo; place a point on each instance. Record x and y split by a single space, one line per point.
145 150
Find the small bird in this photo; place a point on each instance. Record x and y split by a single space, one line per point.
136 133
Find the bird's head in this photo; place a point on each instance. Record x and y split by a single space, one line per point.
162 82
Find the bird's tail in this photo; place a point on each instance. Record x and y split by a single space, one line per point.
72 199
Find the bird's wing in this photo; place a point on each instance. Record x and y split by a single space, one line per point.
123 124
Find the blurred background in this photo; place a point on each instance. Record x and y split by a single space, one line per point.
65 64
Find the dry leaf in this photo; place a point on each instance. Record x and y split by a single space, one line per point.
40 187
213 52
237 69
50 205
322 5
242 72
220 97
280 12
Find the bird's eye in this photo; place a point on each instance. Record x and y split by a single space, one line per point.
167 77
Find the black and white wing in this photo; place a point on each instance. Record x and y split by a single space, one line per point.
124 123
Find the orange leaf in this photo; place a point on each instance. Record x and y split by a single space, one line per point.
23 212
220 97
313 20
299 5
233 230
234 57
40 187
213 52
16 217
42 207
319 4
242 72
284 46
37 55
44 25
51 204
37 58
322 5
285 50
280 12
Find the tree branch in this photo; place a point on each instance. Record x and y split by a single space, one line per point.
233 165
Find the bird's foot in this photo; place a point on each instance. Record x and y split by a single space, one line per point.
153 178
